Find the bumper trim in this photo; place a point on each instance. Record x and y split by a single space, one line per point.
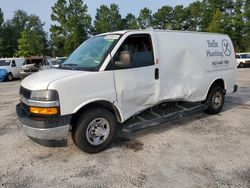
56 128
57 133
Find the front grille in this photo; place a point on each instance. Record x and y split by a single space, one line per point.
247 62
25 92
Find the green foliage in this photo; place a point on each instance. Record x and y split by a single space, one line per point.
130 22
108 19
12 31
246 29
1 17
162 19
179 17
215 25
30 43
72 26
8 43
145 18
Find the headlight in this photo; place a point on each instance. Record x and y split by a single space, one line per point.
44 95
43 102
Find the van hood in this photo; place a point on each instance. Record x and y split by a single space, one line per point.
42 79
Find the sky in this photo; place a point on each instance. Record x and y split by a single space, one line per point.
42 8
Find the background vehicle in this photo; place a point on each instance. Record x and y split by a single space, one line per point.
243 59
114 76
58 61
12 67
34 64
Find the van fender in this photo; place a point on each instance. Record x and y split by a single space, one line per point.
101 102
219 80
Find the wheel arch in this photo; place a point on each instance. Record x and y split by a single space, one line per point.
220 82
95 104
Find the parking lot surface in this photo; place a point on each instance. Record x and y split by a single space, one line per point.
197 151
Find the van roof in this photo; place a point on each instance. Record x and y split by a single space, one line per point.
159 30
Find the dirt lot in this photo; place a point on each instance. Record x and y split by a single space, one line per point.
198 151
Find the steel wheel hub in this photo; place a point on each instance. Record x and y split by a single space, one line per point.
98 131
217 100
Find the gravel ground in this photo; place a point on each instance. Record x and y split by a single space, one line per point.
197 151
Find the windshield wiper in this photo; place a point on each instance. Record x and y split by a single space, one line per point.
70 66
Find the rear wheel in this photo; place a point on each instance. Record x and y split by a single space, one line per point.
215 100
95 130
9 77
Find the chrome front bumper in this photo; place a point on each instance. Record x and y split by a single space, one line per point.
56 128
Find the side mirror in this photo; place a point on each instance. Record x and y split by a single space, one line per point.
125 60
13 65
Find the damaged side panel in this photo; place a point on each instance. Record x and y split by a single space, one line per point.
136 89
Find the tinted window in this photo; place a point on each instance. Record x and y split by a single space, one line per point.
4 62
245 56
140 50
13 64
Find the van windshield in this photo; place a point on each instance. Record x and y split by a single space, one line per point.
4 63
90 54
245 56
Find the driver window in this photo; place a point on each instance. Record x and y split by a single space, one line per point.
136 51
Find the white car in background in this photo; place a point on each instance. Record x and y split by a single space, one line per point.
10 68
58 61
243 59
34 64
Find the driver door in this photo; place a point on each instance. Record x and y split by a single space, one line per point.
136 75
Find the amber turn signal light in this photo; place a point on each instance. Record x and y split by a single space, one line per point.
44 111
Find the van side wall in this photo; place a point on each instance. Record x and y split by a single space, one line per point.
188 68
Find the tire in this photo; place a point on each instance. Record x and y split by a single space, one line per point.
241 65
95 130
215 100
9 77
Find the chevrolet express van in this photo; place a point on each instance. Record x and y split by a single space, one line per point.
10 68
114 76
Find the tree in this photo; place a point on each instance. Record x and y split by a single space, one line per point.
8 43
216 23
238 23
246 30
11 32
108 19
195 16
130 22
71 28
59 30
179 18
162 19
145 18
24 45
1 17
30 43
77 25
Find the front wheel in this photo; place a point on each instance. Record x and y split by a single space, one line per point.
9 77
95 130
241 65
215 100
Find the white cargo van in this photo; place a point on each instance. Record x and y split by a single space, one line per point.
114 76
12 67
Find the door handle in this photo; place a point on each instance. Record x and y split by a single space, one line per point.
156 73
